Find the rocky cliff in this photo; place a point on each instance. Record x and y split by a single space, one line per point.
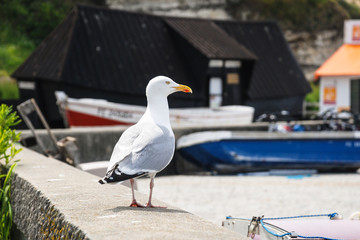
311 50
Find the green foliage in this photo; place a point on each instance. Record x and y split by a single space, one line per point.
8 88
314 96
298 15
6 215
37 18
352 9
14 47
8 136
23 25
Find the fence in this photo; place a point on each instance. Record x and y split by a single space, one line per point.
310 109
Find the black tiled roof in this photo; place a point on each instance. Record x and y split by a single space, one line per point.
120 51
123 50
210 39
106 49
47 60
276 72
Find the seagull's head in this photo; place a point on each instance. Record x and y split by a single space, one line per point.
165 86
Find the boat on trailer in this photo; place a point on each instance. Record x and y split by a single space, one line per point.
244 151
98 112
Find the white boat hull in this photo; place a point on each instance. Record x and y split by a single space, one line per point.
95 112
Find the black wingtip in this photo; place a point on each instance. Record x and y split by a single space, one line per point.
102 181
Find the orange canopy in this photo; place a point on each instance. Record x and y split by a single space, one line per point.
344 62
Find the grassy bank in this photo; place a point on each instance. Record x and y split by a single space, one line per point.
15 47
8 88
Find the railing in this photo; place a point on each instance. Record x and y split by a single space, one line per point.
310 109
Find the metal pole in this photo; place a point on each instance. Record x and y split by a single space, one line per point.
37 109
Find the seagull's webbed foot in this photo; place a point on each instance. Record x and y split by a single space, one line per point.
149 205
134 203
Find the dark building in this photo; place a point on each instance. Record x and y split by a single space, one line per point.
111 54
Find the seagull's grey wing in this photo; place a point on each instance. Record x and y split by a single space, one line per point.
152 151
124 146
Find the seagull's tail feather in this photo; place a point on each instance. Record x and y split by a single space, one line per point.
119 178
114 175
102 181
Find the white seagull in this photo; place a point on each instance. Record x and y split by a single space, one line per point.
147 147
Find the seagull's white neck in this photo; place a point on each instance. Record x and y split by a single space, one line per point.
158 108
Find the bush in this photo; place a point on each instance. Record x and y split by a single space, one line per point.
6 215
8 137
314 96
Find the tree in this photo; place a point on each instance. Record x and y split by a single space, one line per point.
37 18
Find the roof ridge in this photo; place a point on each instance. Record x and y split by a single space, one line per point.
197 34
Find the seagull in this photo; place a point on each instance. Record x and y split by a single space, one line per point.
147 147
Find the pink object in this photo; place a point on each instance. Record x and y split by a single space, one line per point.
335 229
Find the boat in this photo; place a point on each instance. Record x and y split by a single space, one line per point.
248 151
296 227
98 112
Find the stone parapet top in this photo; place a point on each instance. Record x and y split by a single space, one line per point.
52 200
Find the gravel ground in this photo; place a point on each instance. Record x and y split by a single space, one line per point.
215 197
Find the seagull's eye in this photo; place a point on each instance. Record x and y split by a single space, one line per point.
167 82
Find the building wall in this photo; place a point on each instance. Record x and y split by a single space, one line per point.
335 92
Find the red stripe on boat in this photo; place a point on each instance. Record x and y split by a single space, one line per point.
76 119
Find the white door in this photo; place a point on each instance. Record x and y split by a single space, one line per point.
215 92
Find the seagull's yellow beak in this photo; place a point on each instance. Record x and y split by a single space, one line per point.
183 88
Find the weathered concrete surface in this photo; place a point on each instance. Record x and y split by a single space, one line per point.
54 200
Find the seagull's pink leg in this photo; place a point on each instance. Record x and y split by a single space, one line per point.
149 204
134 203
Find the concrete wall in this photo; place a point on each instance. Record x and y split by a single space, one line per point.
97 143
52 200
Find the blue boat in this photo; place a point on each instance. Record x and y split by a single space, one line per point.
237 151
